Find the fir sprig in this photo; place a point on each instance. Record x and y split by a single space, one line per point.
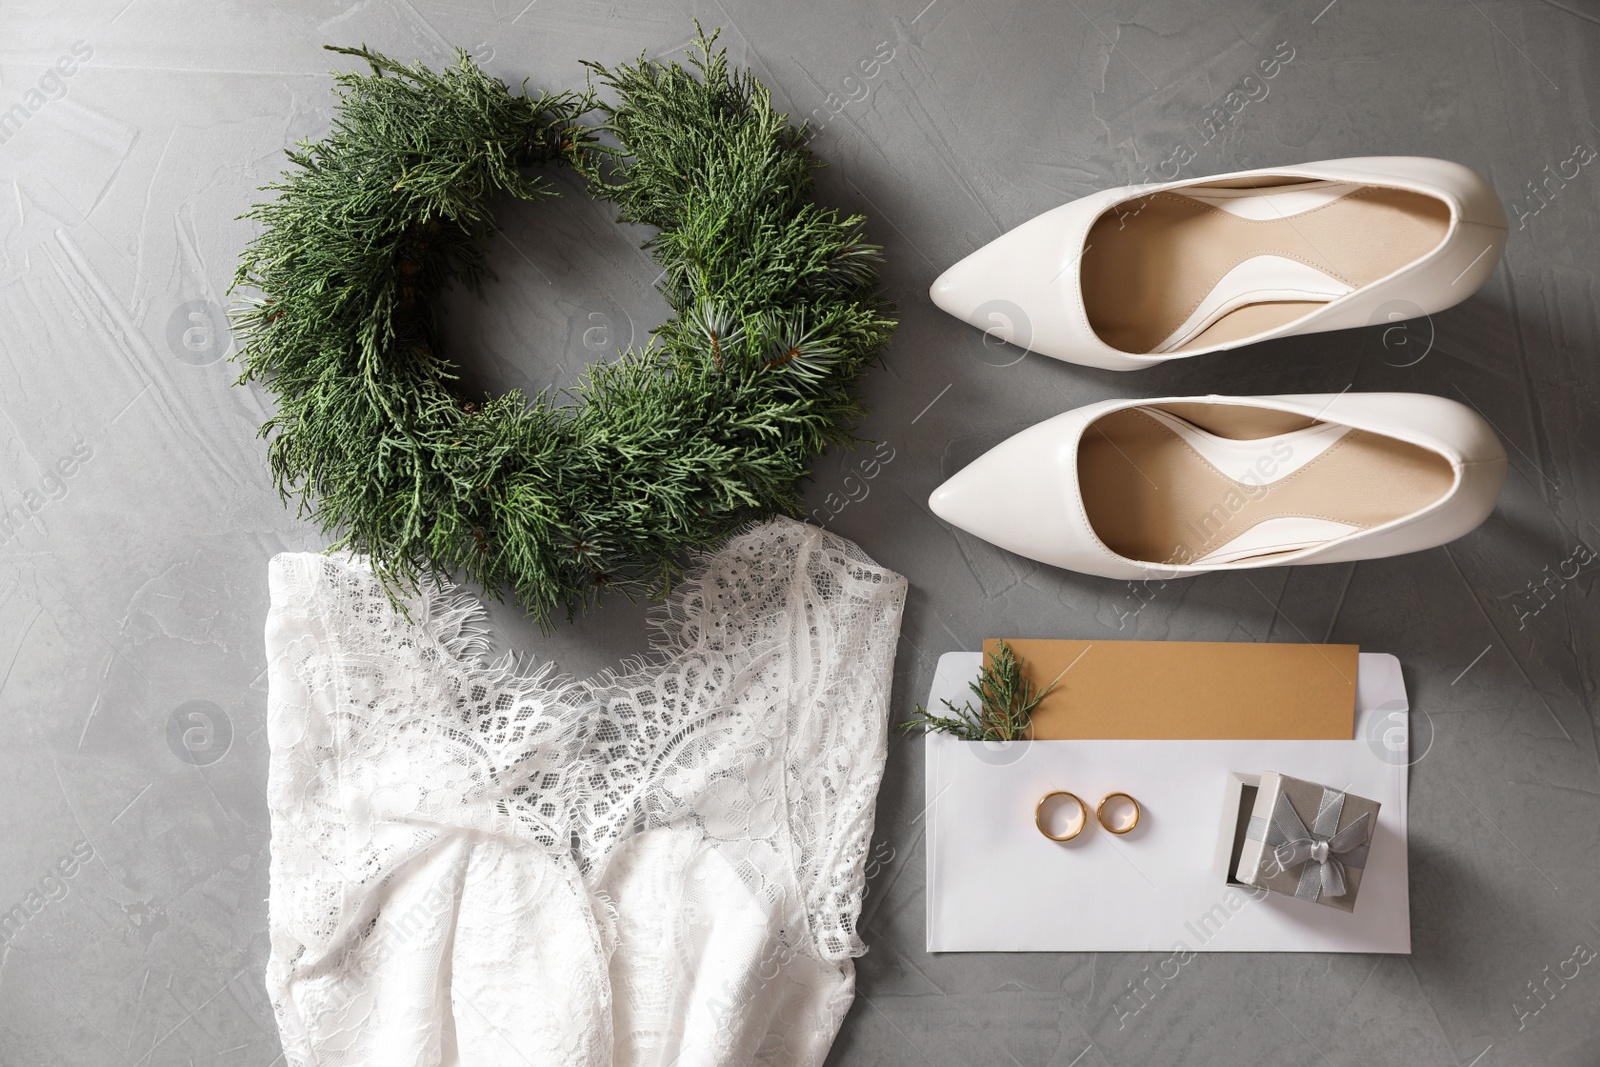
663 450
1006 700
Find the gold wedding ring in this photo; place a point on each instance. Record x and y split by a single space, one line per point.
1100 812
1083 813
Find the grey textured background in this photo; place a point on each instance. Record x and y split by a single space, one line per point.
137 583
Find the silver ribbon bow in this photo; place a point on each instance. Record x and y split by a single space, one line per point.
1324 851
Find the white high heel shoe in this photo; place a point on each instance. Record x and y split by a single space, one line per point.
1131 277
1181 486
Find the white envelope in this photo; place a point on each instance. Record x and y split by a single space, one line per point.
996 884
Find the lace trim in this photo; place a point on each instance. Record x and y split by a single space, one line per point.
789 625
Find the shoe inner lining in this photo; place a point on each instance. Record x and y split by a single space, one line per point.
1149 496
1149 263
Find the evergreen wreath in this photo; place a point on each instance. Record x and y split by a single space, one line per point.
667 448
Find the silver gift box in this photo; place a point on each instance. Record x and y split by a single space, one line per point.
1307 841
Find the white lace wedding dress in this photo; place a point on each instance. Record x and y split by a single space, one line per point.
479 866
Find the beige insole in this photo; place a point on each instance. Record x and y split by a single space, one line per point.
1148 264
1151 497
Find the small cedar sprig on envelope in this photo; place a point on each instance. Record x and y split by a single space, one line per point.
1005 704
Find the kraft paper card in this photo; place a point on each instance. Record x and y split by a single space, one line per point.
1190 690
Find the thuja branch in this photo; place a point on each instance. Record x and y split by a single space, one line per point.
1006 701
